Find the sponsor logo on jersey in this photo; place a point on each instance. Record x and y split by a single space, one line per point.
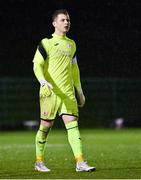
56 44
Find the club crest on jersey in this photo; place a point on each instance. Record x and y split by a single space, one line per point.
69 46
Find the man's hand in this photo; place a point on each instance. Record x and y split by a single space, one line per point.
81 101
80 98
45 89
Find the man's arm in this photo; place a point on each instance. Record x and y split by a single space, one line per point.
77 83
38 68
38 65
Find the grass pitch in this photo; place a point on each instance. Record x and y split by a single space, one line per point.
115 153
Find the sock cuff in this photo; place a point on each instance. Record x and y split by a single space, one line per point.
71 125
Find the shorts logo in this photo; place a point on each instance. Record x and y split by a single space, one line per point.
45 113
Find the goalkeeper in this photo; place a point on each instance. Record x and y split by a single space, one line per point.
55 67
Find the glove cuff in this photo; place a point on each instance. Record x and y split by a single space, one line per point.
42 82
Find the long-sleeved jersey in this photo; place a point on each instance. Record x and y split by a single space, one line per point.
55 61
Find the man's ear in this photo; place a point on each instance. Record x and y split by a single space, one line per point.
54 23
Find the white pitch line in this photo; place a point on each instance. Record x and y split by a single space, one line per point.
11 146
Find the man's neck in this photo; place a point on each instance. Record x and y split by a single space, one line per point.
59 33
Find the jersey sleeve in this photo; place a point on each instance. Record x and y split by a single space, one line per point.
76 75
39 60
75 70
41 52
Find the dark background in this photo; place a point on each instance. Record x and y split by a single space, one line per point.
107 33
108 38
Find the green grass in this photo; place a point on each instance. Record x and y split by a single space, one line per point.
115 153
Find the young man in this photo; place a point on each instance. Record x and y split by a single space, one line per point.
55 67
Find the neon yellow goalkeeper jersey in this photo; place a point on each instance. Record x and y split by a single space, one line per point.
55 55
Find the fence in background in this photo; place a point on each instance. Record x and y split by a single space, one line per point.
106 100
18 101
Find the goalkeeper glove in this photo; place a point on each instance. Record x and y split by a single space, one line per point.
45 89
80 98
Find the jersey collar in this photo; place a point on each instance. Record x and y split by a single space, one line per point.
58 36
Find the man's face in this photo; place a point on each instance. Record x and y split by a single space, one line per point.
62 23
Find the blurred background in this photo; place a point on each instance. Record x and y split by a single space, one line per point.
108 38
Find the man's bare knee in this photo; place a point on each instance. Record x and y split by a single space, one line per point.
69 118
48 123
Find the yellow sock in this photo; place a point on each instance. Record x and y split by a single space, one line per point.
41 141
75 140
